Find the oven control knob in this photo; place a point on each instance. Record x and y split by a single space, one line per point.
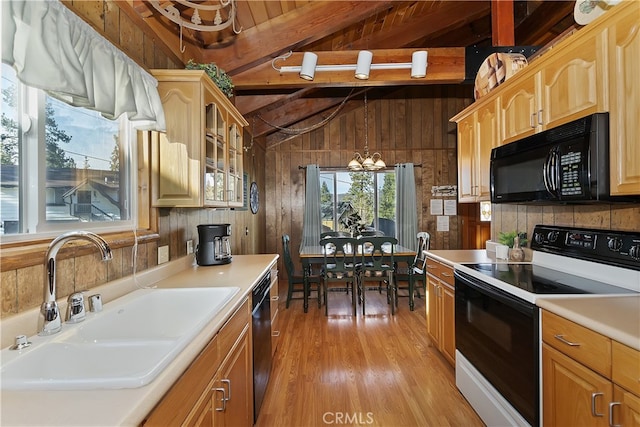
552 236
539 238
615 244
635 252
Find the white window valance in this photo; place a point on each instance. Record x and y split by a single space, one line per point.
53 49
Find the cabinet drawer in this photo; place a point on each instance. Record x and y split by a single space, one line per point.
434 267
232 330
626 367
446 275
580 343
440 270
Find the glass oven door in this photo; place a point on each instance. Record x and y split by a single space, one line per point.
498 334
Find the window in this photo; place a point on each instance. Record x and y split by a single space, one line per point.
358 200
62 167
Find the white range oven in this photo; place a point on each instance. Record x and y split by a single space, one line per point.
497 320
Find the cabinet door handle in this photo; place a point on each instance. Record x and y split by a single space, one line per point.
223 400
447 274
540 117
611 405
532 122
593 404
228 383
561 338
275 333
276 298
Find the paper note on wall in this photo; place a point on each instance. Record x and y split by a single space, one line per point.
436 206
442 223
450 207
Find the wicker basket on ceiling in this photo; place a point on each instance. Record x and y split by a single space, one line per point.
495 70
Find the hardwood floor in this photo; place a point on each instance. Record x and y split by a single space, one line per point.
377 370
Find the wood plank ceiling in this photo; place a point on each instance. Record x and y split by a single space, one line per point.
336 31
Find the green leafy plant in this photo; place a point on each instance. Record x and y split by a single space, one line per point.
507 238
217 74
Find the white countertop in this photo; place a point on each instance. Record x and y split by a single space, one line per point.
458 256
128 407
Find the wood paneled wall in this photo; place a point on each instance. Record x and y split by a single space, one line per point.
410 125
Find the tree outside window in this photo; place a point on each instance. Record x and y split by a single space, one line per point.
356 201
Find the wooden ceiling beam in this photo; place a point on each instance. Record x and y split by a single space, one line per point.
445 66
286 32
291 113
447 16
502 31
537 25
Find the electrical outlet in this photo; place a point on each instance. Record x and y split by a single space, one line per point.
189 247
163 254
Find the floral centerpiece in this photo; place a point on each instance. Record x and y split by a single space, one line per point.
217 74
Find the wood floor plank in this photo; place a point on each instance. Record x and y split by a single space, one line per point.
375 370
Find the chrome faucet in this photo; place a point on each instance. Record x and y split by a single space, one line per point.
49 322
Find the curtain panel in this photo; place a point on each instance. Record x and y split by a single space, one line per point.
54 50
406 206
312 223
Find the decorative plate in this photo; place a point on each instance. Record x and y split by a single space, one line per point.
254 198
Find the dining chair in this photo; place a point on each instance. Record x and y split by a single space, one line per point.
377 265
296 277
416 271
339 267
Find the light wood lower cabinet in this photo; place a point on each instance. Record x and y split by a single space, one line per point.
441 308
573 394
587 378
217 388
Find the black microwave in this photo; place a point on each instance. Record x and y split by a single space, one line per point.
567 164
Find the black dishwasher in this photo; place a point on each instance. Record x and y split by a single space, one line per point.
261 322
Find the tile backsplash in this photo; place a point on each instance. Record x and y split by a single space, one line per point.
523 218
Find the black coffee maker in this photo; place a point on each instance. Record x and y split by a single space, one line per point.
213 244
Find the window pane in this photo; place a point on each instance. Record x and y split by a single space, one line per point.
60 165
358 201
355 201
83 165
327 201
9 154
386 185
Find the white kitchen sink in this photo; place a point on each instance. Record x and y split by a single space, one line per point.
125 346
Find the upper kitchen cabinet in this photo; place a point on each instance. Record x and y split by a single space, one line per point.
623 31
478 133
563 85
594 70
198 161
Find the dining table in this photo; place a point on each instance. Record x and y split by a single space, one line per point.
312 255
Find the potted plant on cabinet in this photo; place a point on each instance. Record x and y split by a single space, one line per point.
215 73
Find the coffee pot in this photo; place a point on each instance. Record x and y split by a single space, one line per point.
213 244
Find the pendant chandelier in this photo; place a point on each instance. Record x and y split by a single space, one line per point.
367 162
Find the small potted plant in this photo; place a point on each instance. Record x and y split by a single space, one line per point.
217 74
515 241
